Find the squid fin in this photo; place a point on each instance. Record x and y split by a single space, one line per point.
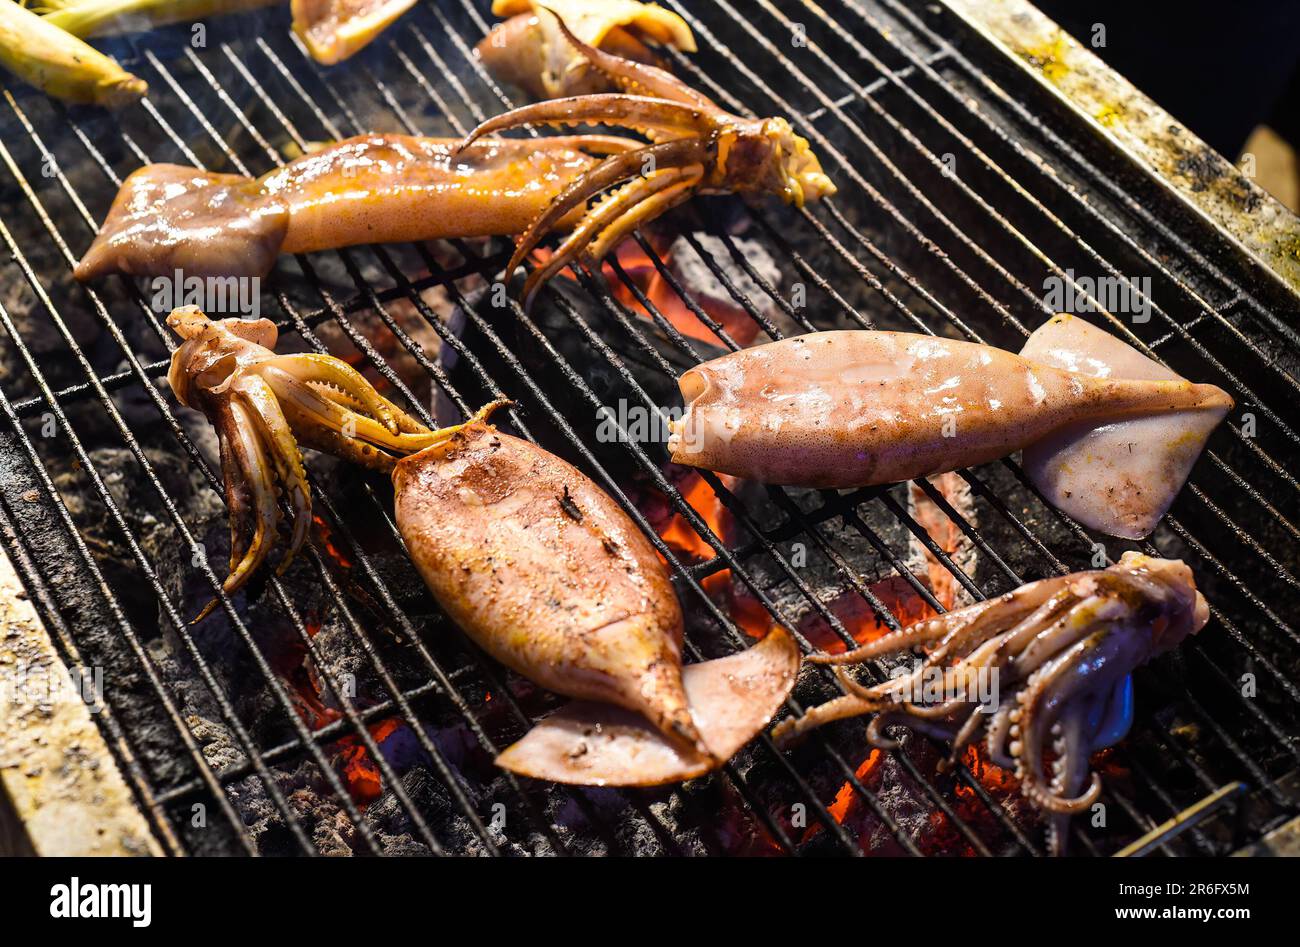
1117 477
593 744
334 30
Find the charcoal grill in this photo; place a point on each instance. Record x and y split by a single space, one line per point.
970 169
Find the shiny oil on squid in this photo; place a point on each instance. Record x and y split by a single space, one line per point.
541 568
1109 436
367 189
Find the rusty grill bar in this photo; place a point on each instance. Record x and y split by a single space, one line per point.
896 86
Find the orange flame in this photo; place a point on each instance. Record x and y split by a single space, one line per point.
642 272
746 610
325 540
359 772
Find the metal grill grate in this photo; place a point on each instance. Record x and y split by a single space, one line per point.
886 92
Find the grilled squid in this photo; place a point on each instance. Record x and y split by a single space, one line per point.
1041 675
1109 436
333 30
368 189
540 567
528 49
697 148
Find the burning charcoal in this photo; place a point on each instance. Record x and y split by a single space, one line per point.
713 296
946 534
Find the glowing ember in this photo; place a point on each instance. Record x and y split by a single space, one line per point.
642 272
680 536
355 766
908 804
359 772
946 534
839 809
324 540
856 615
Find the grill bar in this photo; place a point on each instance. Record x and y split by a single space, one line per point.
794 71
414 298
684 508
179 624
983 270
304 738
831 619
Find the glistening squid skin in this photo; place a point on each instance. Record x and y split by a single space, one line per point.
1056 657
531 559
334 30
368 189
1109 435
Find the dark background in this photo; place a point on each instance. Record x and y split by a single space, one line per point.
1220 68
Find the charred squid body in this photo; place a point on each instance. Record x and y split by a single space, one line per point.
1109 436
549 575
538 566
698 148
368 189
1060 652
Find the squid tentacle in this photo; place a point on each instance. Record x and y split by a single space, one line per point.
646 211
405 423
874 735
236 503
1066 649
244 449
878 739
1024 609
892 696
263 406
644 114
968 732
1049 615
631 76
895 642
610 208
1052 684
1072 627
301 402
1072 748
608 173
998 734
876 697
327 370
792 729
286 459
735 153
594 144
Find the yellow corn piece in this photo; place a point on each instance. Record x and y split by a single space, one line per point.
59 64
